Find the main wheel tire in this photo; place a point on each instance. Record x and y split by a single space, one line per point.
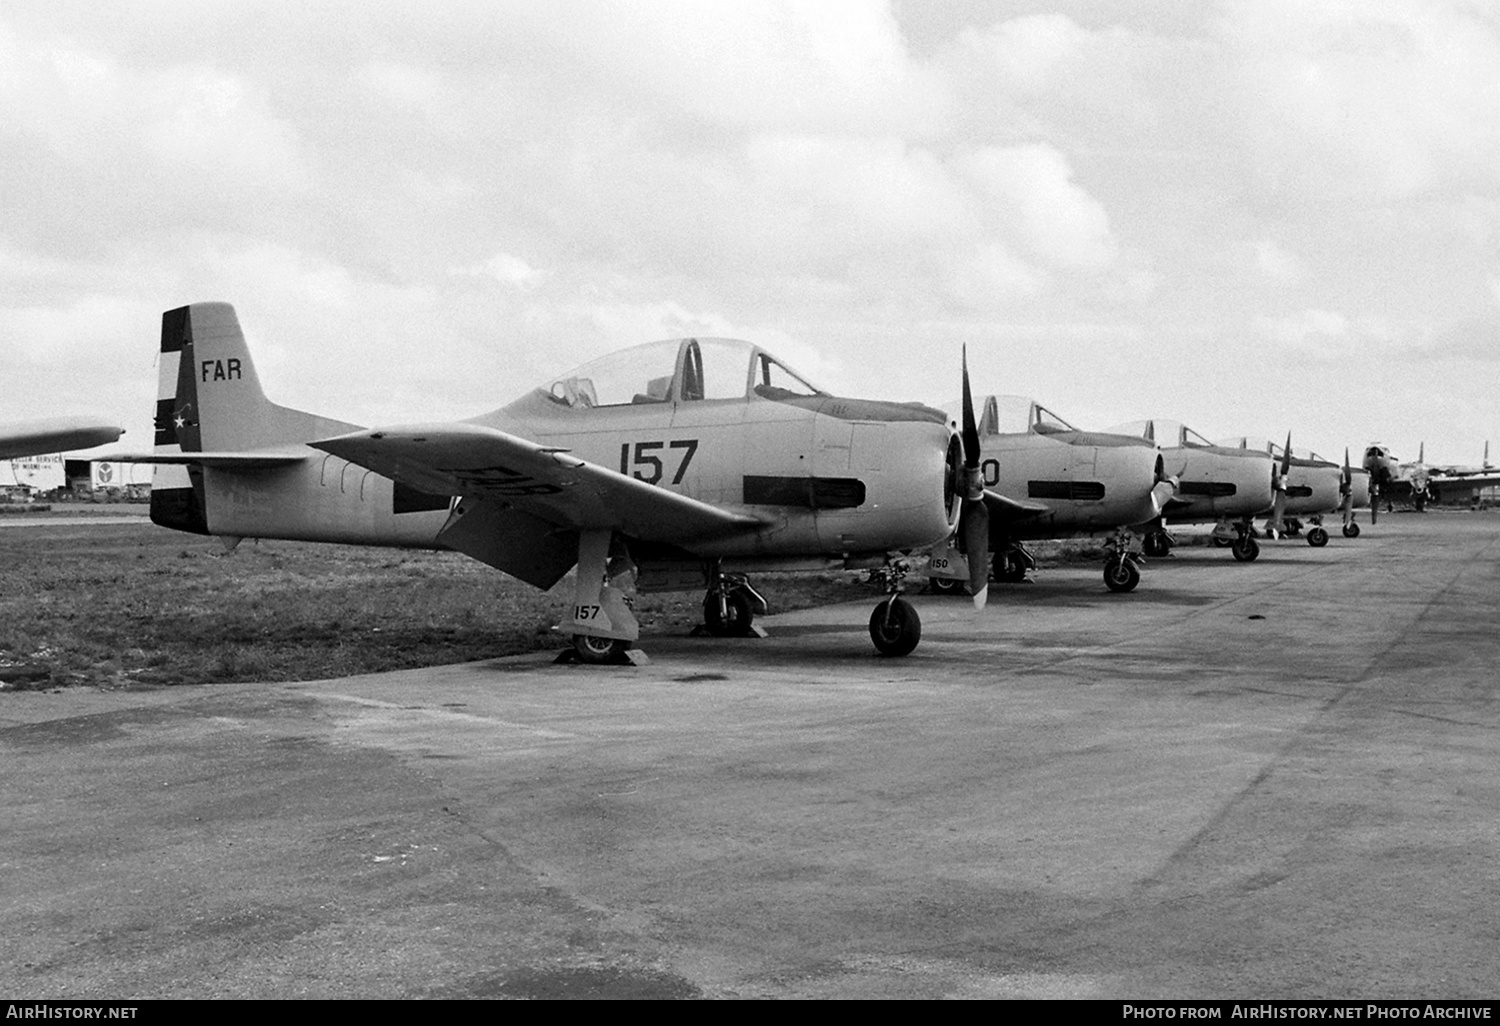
1245 549
598 651
1351 530
1317 537
1009 567
734 621
898 633
1222 543
1121 574
945 586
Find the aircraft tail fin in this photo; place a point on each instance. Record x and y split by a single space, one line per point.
209 399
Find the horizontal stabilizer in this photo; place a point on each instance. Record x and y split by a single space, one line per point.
220 460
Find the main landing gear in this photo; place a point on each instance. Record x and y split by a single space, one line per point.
895 627
603 625
1012 563
731 606
1156 544
1239 536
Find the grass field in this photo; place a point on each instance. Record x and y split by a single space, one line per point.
127 603
123 603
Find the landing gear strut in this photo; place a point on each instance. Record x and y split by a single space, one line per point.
731 605
895 626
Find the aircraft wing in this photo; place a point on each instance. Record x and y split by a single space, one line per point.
1006 508
56 434
545 482
1456 484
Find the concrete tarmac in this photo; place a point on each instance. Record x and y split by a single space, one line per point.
1268 780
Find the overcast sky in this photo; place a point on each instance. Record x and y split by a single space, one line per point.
1253 217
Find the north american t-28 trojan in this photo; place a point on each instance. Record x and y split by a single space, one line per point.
1043 479
669 466
1216 484
1307 485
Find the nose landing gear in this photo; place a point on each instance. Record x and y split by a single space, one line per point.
1122 568
895 627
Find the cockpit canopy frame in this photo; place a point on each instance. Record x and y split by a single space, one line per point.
1019 415
679 371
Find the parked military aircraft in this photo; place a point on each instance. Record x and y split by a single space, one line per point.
1459 482
1467 470
1391 479
1044 478
1307 486
668 466
55 434
1226 486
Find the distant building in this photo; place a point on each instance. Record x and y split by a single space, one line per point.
36 473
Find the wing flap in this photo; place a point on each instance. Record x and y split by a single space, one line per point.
546 482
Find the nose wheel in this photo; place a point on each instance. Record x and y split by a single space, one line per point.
1244 547
1122 568
1121 574
895 627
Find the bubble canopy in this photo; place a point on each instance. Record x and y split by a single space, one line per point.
678 370
1019 415
1273 448
1169 434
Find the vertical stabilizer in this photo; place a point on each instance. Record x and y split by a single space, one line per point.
209 400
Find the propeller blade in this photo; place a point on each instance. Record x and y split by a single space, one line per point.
971 426
974 515
1346 491
1279 472
976 530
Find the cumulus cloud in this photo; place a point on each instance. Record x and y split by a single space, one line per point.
1277 263
479 193
1366 101
1030 189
